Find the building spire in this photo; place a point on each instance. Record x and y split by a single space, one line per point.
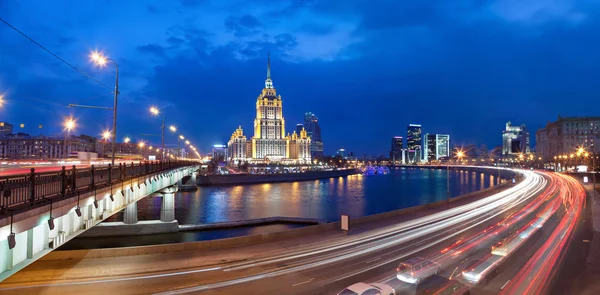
269 65
268 82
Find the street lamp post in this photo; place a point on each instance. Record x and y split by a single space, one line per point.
99 59
459 155
69 125
179 136
179 145
156 112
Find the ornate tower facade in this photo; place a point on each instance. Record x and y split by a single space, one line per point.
237 147
269 143
269 125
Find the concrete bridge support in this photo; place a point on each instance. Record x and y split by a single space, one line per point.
130 214
167 209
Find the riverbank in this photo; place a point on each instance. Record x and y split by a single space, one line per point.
236 179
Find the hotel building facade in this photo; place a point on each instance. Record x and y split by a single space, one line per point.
270 144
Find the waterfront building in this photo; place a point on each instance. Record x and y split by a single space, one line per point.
414 145
515 140
270 143
237 147
437 146
341 153
25 146
219 152
313 129
396 150
122 149
566 135
6 128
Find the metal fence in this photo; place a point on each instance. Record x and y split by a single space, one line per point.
17 191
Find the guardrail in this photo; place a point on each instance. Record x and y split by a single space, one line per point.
17 191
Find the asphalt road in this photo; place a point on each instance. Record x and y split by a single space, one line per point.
456 238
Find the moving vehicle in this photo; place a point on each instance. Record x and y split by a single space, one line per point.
479 271
368 289
417 269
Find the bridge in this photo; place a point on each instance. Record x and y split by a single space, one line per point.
41 211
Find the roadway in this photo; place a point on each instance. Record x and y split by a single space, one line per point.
11 169
455 238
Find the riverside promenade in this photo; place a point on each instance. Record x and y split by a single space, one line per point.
125 269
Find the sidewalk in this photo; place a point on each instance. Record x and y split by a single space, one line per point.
53 268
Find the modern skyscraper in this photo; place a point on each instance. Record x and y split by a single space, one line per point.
269 143
515 139
566 135
414 143
396 150
219 152
437 146
299 128
311 124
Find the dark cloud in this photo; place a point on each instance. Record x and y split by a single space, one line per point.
388 14
174 41
243 26
154 49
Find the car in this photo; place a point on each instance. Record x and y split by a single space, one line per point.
417 269
368 289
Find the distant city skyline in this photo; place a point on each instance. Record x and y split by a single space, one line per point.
197 61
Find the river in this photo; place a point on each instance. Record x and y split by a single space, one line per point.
326 199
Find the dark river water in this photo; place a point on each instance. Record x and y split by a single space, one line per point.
325 199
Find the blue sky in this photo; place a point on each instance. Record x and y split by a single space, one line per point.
366 68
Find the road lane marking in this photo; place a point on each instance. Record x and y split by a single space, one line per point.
298 284
504 285
372 260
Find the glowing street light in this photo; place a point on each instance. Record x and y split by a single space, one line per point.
459 155
141 144
106 135
179 138
69 124
155 111
187 142
101 60
127 140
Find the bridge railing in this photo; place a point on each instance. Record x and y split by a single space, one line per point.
18 191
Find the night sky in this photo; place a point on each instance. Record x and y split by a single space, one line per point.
367 69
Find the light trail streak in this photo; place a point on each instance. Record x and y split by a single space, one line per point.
535 276
533 183
405 232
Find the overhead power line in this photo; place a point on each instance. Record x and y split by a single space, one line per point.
53 54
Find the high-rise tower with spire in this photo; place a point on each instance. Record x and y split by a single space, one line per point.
270 143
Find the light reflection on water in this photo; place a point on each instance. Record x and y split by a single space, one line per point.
355 195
